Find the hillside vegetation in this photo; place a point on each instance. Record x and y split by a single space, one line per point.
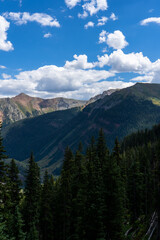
119 114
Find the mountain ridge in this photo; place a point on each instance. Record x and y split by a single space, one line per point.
119 114
24 106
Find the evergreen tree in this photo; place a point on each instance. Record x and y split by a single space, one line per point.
32 201
15 183
66 194
95 196
46 218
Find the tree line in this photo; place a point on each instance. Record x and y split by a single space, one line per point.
100 195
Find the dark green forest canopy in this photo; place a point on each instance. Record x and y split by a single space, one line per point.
100 194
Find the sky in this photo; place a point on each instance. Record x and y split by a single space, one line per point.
77 48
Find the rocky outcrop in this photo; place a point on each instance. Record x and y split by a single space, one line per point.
100 96
24 106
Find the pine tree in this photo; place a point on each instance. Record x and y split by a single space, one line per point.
15 183
114 196
66 194
32 200
46 219
95 205
14 218
15 225
3 229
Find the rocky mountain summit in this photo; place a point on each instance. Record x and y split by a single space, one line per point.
24 106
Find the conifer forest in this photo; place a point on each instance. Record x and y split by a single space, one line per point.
100 194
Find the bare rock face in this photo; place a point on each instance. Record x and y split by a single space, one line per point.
24 106
100 96
9 111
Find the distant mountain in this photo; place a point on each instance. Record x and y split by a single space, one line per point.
24 106
100 96
119 114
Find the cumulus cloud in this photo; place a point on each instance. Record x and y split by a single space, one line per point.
55 80
89 24
79 62
47 35
82 79
4 44
150 20
6 76
137 63
102 21
121 62
144 78
73 79
24 17
103 60
103 36
72 3
113 17
83 15
95 6
115 40
89 6
2 67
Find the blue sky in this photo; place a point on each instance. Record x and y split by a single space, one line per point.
77 48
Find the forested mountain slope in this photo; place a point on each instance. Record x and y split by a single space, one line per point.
121 113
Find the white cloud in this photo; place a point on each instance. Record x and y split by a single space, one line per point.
53 79
103 60
23 18
76 78
89 6
82 79
6 76
115 40
88 91
113 17
4 44
47 35
150 20
95 6
89 24
79 62
102 21
142 79
72 3
121 62
103 36
83 15
2 67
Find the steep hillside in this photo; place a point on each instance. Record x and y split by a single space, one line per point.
100 96
32 134
24 106
119 114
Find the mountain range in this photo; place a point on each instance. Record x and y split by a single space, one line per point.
119 114
24 106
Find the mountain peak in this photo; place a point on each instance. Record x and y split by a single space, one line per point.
21 95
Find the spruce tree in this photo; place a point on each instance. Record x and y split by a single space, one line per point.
32 200
66 194
46 217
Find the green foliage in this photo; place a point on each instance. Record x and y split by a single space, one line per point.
32 200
